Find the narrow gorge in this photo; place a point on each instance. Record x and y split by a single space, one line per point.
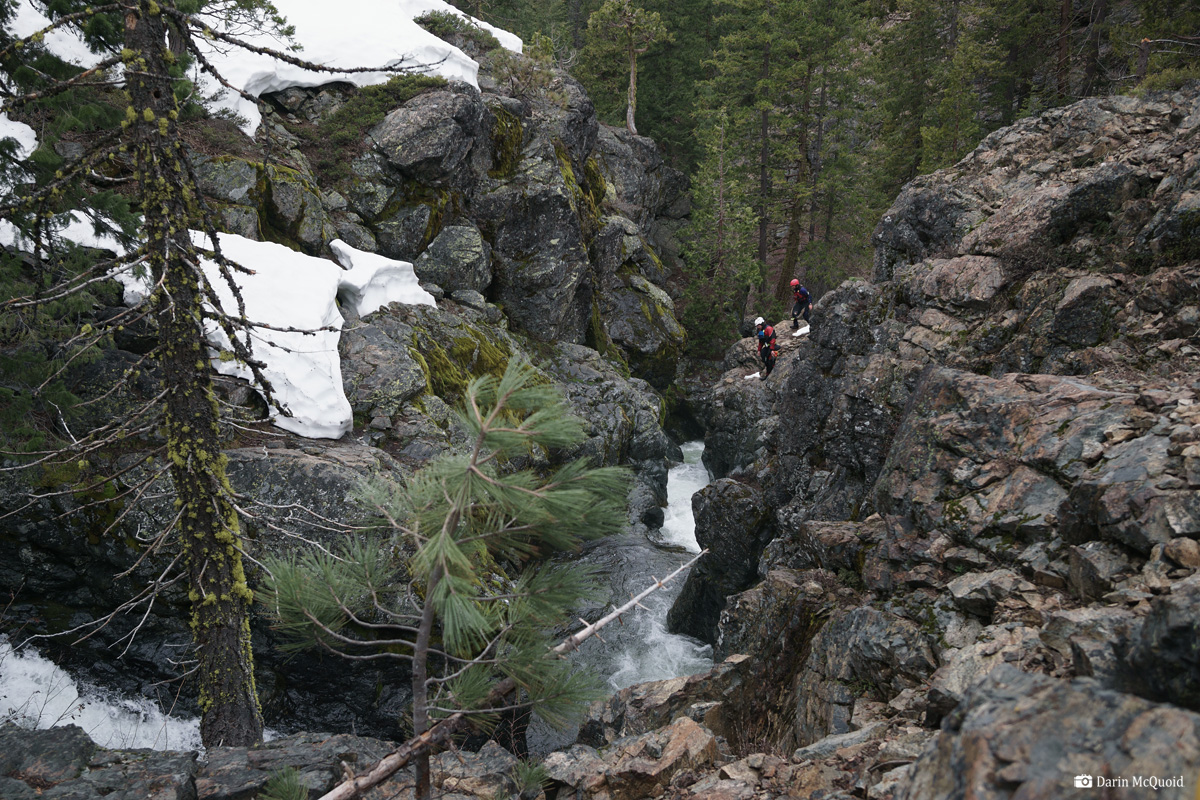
954 539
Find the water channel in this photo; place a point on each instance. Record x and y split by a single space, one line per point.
36 693
641 649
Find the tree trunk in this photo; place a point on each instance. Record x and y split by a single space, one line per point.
420 686
1143 62
631 107
764 174
1091 71
1063 68
208 522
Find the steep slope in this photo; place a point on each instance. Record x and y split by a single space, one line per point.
983 459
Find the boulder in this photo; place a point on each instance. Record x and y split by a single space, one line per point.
734 524
1017 734
457 258
432 138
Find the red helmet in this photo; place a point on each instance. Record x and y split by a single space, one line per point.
795 281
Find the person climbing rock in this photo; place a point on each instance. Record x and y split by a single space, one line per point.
767 348
802 305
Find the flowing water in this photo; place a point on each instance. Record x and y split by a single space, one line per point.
641 649
35 693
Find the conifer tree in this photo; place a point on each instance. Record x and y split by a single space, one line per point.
719 239
620 29
180 422
423 593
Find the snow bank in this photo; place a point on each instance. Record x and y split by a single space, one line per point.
350 33
293 290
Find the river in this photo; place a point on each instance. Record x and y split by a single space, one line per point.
36 693
641 649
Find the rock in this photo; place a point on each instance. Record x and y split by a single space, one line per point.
734 524
1017 734
775 622
634 767
1184 551
859 652
979 593
830 744
431 137
964 667
646 706
1165 657
457 258
1096 567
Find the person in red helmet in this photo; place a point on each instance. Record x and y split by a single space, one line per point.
802 305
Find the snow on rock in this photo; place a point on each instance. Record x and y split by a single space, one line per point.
293 290
287 290
371 281
354 33
360 33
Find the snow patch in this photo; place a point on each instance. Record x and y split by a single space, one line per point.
295 291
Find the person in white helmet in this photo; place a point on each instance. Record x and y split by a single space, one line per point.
767 348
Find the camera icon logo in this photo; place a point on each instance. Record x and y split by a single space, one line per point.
1083 781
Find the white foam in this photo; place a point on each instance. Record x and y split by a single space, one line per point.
683 481
36 694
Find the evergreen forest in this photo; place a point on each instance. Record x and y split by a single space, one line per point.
799 121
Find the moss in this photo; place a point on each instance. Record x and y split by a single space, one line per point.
596 337
479 355
507 138
582 203
594 182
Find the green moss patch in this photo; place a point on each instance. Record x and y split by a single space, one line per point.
332 144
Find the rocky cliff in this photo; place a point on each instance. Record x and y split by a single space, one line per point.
541 234
981 474
958 526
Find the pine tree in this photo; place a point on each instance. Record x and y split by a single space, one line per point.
179 423
424 594
620 29
719 241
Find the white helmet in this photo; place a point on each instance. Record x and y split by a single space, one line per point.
759 321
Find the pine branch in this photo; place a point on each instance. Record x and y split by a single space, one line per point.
442 731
